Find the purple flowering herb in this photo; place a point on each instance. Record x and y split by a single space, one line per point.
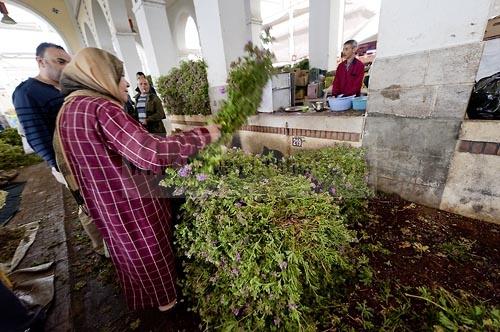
283 265
235 271
238 257
184 171
201 177
236 312
277 321
332 191
238 204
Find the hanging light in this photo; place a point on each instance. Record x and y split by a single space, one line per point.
6 19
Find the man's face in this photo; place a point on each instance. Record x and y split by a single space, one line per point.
143 85
53 62
348 51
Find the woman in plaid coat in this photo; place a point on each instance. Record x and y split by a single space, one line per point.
104 150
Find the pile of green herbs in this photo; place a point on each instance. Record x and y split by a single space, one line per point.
266 244
247 78
262 247
184 90
11 151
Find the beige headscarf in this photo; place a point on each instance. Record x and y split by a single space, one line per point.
93 72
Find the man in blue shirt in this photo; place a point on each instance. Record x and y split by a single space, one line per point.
38 100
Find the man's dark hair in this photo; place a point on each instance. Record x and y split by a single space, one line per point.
140 73
40 50
351 42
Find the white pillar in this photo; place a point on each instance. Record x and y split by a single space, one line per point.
124 43
254 20
159 46
223 35
326 28
291 39
123 39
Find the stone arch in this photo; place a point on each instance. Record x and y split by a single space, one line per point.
184 22
102 25
71 46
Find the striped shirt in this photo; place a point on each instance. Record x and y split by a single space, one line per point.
37 105
141 108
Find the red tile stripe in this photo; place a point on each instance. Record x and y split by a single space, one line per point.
488 148
324 134
190 123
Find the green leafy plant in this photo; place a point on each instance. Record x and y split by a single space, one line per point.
10 136
458 250
342 172
261 249
366 314
184 90
247 78
448 312
13 156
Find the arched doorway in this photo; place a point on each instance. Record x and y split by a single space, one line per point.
101 24
187 38
17 54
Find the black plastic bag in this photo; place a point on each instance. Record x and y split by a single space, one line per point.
485 99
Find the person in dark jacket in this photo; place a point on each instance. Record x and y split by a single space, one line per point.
139 75
148 108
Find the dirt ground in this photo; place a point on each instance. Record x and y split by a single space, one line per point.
462 253
9 240
409 245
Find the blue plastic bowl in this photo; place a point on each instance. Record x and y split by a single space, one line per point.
359 103
340 104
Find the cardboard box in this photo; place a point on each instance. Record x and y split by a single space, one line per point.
492 28
301 81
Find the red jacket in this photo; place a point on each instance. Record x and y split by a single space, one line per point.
348 82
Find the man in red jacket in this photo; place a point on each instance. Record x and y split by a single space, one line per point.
350 72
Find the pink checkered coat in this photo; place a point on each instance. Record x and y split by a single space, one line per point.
102 143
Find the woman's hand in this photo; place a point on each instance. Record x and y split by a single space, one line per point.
214 131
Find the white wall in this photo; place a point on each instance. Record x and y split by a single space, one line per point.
490 61
495 8
232 17
325 33
408 29
211 35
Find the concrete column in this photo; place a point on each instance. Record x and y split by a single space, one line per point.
159 46
124 43
223 35
291 38
123 38
326 28
420 86
254 20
